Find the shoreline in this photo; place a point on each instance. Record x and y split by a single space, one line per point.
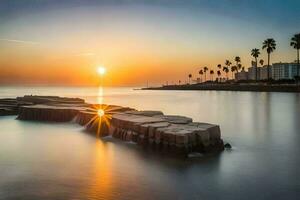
232 87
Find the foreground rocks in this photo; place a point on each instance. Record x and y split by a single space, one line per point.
153 129
10 106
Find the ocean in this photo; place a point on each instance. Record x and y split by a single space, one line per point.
41 160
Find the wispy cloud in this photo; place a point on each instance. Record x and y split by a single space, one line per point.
19 41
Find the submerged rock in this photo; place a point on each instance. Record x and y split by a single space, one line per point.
227 146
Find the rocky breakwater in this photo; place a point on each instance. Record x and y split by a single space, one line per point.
50 108
97 118
153 129
10 106
167 133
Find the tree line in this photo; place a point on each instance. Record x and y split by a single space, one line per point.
269 45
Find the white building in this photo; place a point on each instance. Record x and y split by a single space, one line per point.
242 75
260 72
277 71
263 72
252 73
284 71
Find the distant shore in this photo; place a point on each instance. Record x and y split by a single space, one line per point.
232 87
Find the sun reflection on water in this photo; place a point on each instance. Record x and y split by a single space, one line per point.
100 95
102 183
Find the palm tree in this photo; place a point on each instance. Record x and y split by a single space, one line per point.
295 43
228 63
239 67
179 82
201 74
255 53
270 45
219 74
226 70
190 76
205 70
237 59
233 69
211 75
261 62
219 66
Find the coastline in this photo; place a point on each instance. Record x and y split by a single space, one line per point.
232 87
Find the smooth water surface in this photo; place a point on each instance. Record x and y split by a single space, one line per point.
61 161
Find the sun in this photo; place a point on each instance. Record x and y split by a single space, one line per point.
101 70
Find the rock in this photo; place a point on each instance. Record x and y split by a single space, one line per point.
101 125
129 121
50 100
214 130
109 108
175 119
84 117
227 146
4 111
169 133
151 129
48 113
148 113
9 106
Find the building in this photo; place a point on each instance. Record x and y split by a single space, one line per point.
277 71
242 75
263 72
253 71
284 71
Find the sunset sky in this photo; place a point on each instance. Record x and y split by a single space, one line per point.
57 42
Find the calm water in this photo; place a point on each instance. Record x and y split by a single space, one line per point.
60 161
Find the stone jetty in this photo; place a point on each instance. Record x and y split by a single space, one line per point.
153 129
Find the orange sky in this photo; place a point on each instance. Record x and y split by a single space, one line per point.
64 46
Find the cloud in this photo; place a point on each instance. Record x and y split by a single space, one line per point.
19 41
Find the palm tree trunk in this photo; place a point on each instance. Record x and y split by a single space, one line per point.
256 68
268 66
205 76
298 63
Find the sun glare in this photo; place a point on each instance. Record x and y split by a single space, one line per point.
101 70
100 112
